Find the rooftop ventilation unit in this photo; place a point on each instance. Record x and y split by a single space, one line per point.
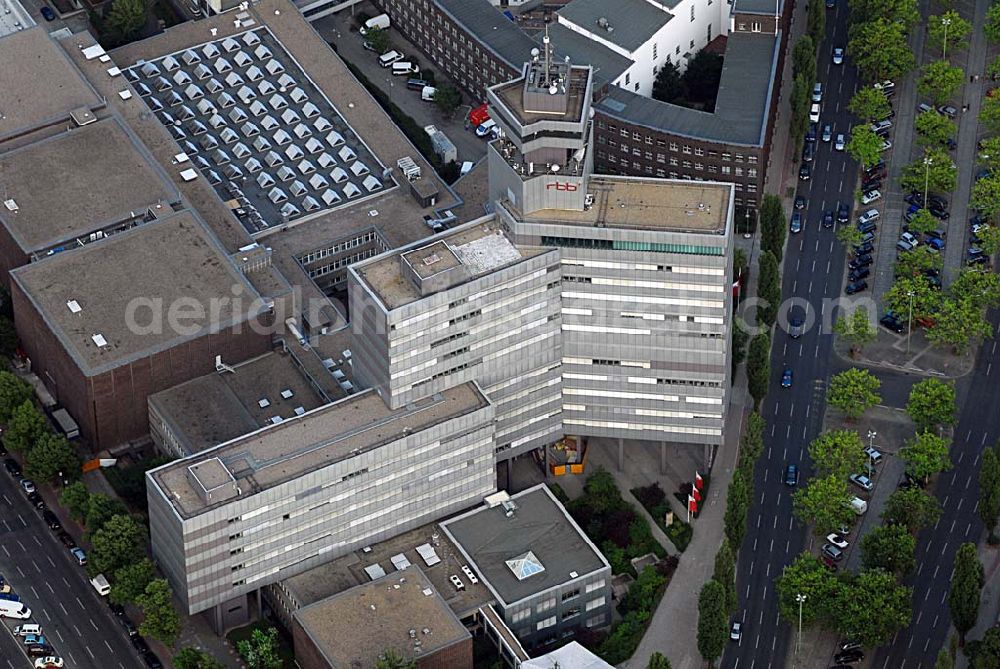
74 306
99 340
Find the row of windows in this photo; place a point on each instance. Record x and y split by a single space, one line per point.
341 263
622 245
649 140
333 249
663 173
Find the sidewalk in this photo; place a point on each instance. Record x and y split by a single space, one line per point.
889 351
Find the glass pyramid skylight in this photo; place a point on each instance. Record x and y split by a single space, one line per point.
525 565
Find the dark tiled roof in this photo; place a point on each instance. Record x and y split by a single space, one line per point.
504 37
632 22
741 106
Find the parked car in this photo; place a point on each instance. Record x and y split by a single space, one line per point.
39 650
838 55
795 326
811 133
80 555
849 657
858 274
910 239
861 481
874 455
817 94
48 15
888 87
52 520
886 144
151 660
891 323
791 475
828 562
871 196
833 552
880 127
874 183
814 113
800 202
862 249
843 212
923 107
808 152
14 469
66 540
856 287
861 261
850 645
948 110
28 486
935 243
869 216
36 500
837 540
805 172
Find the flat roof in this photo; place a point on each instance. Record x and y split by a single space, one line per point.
498 33
488 538
348 571
402 611
741 106
319 438
44 86
481 246
608 64
632 23
71 184
221 406
648 204
85 295
766 7
512 94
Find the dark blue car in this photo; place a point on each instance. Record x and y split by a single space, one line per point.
791 475
47 13
786 378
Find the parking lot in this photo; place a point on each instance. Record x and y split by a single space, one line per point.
341 30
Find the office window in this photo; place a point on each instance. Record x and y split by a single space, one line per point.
636 151
755 26
649 169
661 143
636 166
612 142
692 12
752 172
727 156
713 169
548 622
636 137
726 169
741 27
637 87
601 139
649 140
699 166
686 164
686 149
595 603
648 155
628 76
545 605
521 615
673 162
709 32
661 157
624 148
602 154
691 44
623 132
677 50
654 50
698 151
673 146
660 173
739 171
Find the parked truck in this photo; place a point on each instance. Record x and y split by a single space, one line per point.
443 147
9 609
380 22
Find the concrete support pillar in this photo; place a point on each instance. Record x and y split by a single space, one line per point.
545 462
708 457
663 457
621 454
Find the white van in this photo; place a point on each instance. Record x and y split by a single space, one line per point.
427 93
101 585
9 609
389 57
402 67
859 505
29 628
380 22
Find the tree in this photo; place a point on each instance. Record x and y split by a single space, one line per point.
260 651
940 81
992 25
759 366
447 98
806 576
658 661
768 289
101 509
989 151
853 391
889 547
935 171
119 542
740 340
668 85
880 50
922 222
131 580
160 619
192 658
849 235
392 659
856 328
948 31
51 456
958 323
737 503
989 113
913 508
816 20
904 12
917 261
127 17
25 428
989 491
702 77
966 588
799 102
869 104
986 194
985 654
13 393
944 660
864 146
379 39
933 129
772 225
825 503
725 574
932 403
712 621
8 337
837 453
76 499
913 291
925 454
804 58
989 239
872 608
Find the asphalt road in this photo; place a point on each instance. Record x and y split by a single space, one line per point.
813 274
77 623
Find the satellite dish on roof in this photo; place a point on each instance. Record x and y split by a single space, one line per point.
553 89
535 52
555 168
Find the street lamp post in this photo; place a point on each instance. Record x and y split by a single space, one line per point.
944 47
798 642
909 321
928 161
871 445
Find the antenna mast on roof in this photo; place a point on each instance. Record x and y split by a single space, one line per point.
546 42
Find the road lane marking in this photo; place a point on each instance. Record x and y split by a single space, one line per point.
47 616
63 609
81 604
35 592
89 652
94 625
78 632
49 586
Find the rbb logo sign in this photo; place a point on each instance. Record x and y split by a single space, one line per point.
558 185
